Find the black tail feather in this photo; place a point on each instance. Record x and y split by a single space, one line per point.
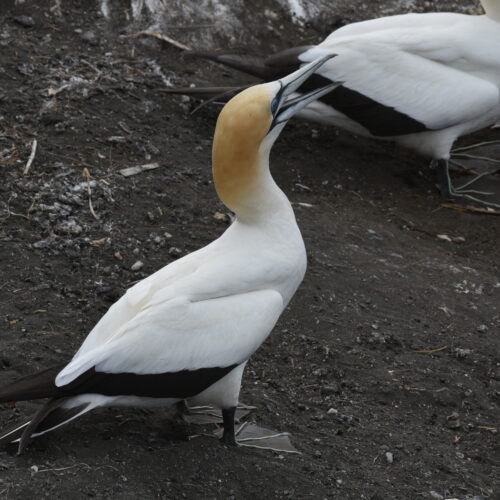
35 421
37 386
266 68
252 65
52 414
13 433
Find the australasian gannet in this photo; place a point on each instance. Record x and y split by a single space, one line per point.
187 331
421 80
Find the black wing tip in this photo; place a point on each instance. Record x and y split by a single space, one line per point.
37 386
13 433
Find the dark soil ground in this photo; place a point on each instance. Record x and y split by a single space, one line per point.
385 367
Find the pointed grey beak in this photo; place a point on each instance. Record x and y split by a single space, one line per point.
284 106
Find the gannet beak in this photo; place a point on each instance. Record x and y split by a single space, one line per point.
285 104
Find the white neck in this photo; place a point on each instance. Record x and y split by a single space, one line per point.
266 199
492 9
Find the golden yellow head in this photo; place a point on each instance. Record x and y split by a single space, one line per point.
243 137
241 127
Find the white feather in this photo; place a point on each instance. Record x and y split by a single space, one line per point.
442 70
183 335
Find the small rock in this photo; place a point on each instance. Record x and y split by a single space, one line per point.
332 411
389 457
482 328
317 417
26 21
453 421
175 252
137 265
462 353
319 372
317 454
116 139
436 495
90 37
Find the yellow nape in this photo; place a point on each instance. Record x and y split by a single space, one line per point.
242 125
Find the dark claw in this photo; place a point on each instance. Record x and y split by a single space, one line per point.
229 440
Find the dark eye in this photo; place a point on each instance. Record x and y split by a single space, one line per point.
274 105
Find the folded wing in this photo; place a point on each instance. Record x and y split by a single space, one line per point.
175 349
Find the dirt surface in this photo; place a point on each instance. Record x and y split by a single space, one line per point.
384 368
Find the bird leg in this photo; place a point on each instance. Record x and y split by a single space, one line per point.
181 408
228 418
460 192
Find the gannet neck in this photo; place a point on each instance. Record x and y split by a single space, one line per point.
240 156
492 9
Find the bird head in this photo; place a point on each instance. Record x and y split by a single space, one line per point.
261 111
248 126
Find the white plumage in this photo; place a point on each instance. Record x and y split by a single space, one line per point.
440 69
187 331
421 80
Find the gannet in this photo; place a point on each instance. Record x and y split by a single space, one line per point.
421 80
187 331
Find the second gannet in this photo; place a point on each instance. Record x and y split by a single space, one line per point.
421 80
187 331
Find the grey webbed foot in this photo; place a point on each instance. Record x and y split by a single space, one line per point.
465 191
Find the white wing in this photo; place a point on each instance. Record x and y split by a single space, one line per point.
131 303
228 266
431 75
436 20
179 335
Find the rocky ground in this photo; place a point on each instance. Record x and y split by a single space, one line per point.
384 368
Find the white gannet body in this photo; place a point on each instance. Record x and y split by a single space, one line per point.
187 331
421 80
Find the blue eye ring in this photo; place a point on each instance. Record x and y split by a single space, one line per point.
274 105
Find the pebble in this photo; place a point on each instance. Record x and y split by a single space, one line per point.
389 457
436 495
175 252
332 411
90 37
482 328
462 353
137 265
26 21
453 421
317 417
320 372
